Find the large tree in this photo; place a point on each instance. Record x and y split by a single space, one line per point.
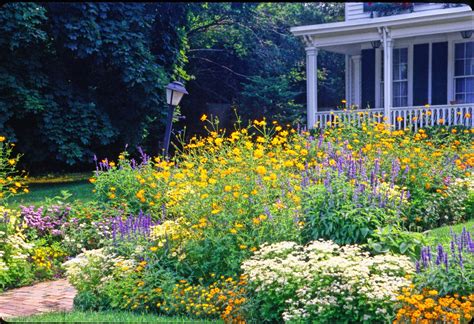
84 78
80 78
244 53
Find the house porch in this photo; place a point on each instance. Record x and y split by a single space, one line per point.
430 68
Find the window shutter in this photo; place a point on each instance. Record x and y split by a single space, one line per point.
439 74
421 54
368 78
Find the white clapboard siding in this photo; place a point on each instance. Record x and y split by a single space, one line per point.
355 10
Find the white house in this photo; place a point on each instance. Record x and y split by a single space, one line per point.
429 49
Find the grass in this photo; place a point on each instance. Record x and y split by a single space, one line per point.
443 234
104 317
81 190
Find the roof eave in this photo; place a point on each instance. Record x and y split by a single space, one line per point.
399 20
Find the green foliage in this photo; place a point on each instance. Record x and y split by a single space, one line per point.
336 216
244 53
65 65
11 181
104 317
450 270
393 239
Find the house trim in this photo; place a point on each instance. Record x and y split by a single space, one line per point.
453 14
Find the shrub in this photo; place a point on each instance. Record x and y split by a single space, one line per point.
345 201
88 226
324 282
234 193
427 160
448 271
11 181
393 239
15 268
87 270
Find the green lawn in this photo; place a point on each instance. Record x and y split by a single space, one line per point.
443 234
104 317
81 190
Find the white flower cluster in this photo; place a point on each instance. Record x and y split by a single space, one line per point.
12 240
329 281
92 268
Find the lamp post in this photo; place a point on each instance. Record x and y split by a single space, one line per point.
174 93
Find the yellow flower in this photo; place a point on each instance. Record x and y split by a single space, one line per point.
153 248
203 117
2 138
261 170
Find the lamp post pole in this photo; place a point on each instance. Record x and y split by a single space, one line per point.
174 93
169 124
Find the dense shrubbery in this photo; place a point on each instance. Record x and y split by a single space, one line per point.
324 282
11 181
253 224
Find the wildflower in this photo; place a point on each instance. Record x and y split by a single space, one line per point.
261 170
2 138
203 117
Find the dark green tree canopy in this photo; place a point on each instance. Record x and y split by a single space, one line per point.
84 78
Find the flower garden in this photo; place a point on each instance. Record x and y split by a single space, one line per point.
264 223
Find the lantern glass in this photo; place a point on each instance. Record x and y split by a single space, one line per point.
177 96
174 93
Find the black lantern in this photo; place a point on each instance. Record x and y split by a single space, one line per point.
375 44
174 93
466 34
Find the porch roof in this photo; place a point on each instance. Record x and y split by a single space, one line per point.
401 26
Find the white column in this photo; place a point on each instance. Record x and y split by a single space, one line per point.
387 76
356 100
311 85
450 85
348 80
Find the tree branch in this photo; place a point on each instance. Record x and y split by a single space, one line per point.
222 66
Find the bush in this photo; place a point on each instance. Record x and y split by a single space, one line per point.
234 193
393 239
449 271
15 268
345 205
324 282
11 181
427 162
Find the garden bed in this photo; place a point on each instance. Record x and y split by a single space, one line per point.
264 223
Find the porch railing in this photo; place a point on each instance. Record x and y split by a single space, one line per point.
404 117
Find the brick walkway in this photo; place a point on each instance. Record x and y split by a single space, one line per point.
44 297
